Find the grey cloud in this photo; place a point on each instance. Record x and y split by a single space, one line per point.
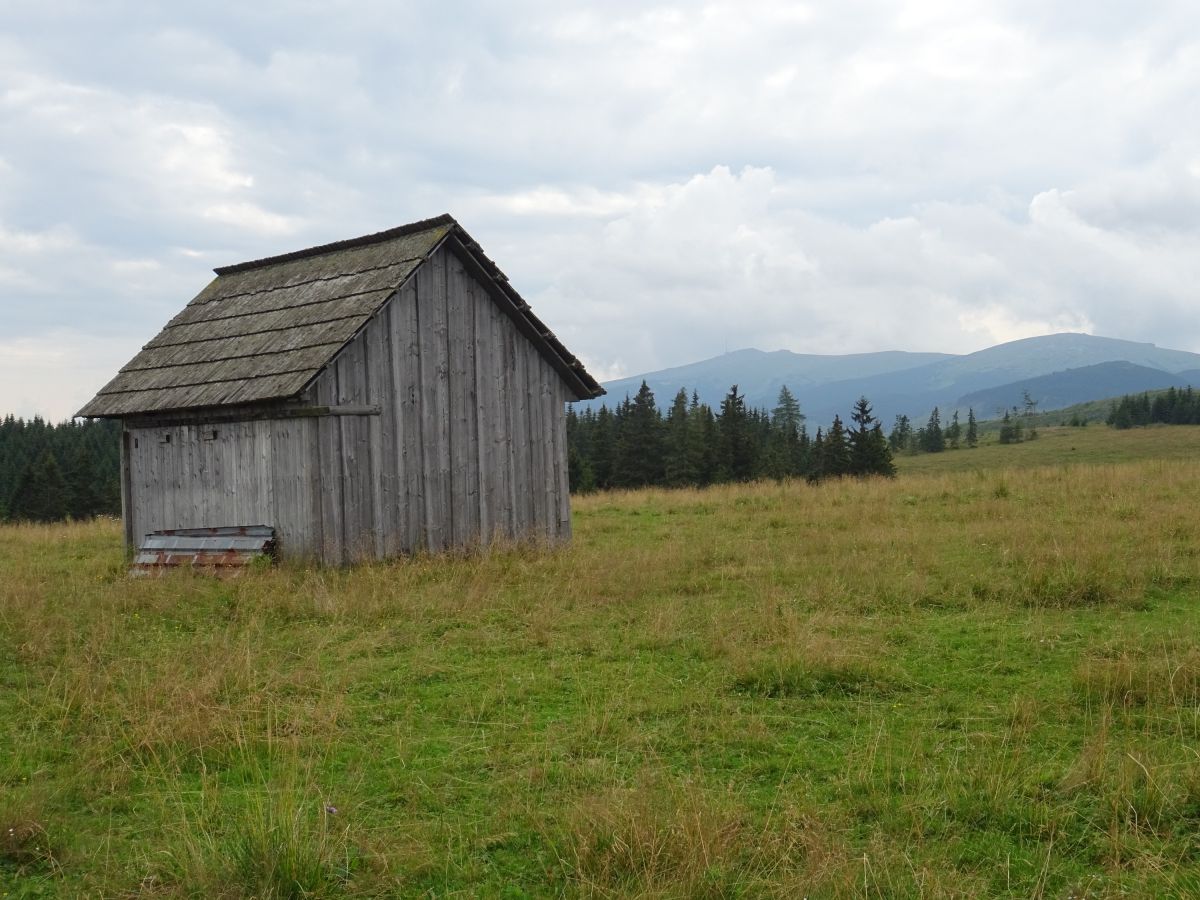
663 181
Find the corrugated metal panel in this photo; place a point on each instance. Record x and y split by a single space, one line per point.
223 549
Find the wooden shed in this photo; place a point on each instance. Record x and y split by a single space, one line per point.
367 399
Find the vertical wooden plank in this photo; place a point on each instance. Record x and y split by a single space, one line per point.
464 463
560 455
138 487
184 510
510 455
154 499
531 370
523 517
384 459
241 450
539 441
550 417
167 449
221 497
407 386
435 389
358 503
283 510
264 467
166 459
289 475
174 476
126 488
331 465
486 470
294 493
190 487
315 480
247 480
210 496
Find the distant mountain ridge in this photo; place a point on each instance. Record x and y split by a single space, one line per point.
913 383
1072 386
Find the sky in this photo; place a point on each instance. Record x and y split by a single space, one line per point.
662 182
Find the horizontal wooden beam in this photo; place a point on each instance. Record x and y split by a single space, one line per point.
219 416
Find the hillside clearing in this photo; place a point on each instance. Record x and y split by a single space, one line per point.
1097 444
958 684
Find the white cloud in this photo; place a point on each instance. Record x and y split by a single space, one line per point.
663 181
56 373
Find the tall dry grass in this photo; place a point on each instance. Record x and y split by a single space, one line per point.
759 690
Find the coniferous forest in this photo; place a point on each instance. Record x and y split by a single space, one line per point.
1169 407
52 472
71 470
637 444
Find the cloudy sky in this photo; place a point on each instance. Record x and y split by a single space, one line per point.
661 182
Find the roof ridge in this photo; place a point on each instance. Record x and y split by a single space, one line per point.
377 237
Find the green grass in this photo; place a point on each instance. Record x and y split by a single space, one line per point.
953 684
1059 446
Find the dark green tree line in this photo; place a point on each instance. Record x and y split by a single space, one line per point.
52 472
636 444
1170 407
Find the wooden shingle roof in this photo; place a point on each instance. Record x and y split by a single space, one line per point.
263 330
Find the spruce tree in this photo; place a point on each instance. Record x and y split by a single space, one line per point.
837 450
954 432
580 477
83 484
933 441
603 448
707 445
880 456
41 494
640 442
1008 432
679 468
902 434
859 438
870 453
784 453
737 447
816 459
972 428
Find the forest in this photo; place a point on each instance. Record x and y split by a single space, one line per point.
71 470
638 445
1169 407
54 472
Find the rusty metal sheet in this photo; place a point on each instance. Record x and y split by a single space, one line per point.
224 549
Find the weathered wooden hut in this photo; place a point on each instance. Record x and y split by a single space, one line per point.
367 399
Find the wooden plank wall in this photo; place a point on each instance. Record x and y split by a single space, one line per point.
469 445
236 473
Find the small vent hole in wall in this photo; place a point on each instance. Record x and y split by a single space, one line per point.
210 434
166 438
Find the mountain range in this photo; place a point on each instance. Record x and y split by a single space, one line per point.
1056 369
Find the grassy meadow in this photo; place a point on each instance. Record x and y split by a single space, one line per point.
981 678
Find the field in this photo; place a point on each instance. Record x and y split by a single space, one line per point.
1094 445
981 678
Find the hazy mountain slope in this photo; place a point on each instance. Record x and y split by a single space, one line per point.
916 391
1060 389
759 374
899 382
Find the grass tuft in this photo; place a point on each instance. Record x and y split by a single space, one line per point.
1126 677
657 838
776 678
26 847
